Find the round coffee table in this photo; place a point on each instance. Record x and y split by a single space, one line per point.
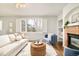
38 49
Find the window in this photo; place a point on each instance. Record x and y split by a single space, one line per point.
34 25
0 25
23 25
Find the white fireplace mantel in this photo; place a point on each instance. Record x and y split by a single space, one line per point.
73 24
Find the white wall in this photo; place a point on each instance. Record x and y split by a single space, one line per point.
69 10
52 25
69 7
18 25
5 24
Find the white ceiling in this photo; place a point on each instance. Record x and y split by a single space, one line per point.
50 9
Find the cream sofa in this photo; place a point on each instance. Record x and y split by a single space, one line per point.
12 48
9 48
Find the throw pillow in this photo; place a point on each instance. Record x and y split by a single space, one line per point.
18 37
12 37
22 35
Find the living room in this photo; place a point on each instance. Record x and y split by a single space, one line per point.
32 23
38 29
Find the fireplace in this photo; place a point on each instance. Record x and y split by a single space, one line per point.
73 41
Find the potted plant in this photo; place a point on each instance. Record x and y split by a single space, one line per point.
66 23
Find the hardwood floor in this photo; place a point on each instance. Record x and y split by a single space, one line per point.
59 48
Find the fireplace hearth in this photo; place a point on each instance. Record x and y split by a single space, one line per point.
73 41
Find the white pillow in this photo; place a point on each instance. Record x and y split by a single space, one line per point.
18 37
15 34
23 35
12 37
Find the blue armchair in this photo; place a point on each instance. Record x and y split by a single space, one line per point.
53 39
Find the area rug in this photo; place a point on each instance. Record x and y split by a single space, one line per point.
50 51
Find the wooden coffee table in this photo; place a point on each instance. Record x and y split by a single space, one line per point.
38 49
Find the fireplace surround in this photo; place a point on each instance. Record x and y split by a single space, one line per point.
71 40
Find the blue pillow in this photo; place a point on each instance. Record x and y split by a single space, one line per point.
46 35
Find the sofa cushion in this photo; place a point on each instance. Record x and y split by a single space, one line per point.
18 37
4 40
22 35
9 49
12 37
